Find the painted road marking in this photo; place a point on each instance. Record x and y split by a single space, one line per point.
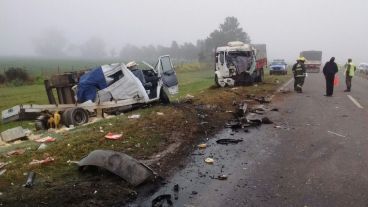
355 102
340 135
285 85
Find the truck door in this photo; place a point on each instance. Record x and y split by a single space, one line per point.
167 73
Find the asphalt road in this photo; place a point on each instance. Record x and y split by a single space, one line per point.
316 156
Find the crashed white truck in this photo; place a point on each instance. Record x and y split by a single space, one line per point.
240 64
106 89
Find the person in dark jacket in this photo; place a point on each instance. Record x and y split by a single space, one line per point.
329 70
299 72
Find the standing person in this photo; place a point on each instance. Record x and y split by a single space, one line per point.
299 74
329 70
350 69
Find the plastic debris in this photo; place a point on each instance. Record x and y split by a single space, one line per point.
131 170
113 136
162 200
42 146
30 179
2 172
134 116
46 160
202 146
15 152
46 139
228 141
160 113
222 177
209 160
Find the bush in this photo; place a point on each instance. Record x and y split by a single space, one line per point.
16 74
2 79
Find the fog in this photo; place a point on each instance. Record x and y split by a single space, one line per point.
337 27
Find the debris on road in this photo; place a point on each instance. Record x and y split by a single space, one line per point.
16 152
209 160
202 146
2 172
44 161
222 177
228 141
134 116
266 120
176 191
113 136
13 134
126 167
30 179
334 133
160 113
46 139
3 164
162 200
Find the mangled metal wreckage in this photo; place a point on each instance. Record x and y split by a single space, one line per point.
106 89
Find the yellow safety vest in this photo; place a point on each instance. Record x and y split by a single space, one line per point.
351 67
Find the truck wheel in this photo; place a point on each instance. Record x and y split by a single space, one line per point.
41 122
217 81
163 97
75 116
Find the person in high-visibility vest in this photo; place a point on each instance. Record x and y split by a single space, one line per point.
299 74
350 69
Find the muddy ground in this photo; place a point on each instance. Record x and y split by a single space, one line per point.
192 120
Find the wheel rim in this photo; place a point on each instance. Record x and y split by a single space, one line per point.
79 117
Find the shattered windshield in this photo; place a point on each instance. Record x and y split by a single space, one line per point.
241 60
166 65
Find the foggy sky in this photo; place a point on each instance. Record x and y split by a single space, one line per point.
337 27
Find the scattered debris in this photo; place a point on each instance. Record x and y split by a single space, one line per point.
44 161
30 179
275 109
46 139
131 170
234 124
162 200
266 120
194 192
228 141
134 116
113 136
263 99
42 146
209 160
3 164
160 113
176 191
242 109
16 152
2 172
340 135
222 177
13 134
202 146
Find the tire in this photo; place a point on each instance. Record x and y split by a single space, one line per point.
163 97
217 81
41 122
75 116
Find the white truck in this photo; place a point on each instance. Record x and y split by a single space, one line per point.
106 89
240 64
313 60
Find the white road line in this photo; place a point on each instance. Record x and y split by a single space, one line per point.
355 102
285 85
340 135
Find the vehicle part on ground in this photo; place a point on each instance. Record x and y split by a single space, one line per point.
163 97
228 141
13 134
126 167
75 116
30 179
162 200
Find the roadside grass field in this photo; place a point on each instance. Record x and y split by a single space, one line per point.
142 138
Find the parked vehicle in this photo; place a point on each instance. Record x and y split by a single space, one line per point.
278 66
313 60
240 64
107 89
362 69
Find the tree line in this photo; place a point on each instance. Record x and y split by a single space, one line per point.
54 44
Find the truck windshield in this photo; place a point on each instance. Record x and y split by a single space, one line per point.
241 60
